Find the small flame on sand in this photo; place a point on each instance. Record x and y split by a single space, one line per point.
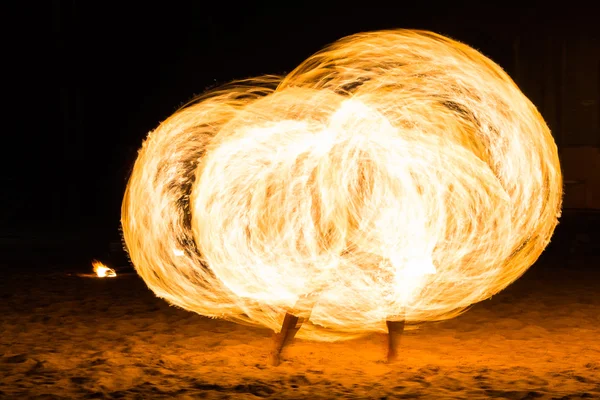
102 270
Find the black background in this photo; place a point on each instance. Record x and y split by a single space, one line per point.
86 81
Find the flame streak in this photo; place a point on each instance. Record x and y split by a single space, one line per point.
394 172
102 271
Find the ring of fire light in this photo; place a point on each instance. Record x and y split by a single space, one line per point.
393 172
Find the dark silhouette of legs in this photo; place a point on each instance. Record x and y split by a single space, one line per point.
289 328
292 323
395 330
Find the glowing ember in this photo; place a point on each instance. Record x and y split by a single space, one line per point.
395 172
102 271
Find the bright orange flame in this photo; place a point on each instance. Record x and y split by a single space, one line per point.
394 172
102 271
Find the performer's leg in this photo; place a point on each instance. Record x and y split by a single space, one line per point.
289 328
395 330
291 324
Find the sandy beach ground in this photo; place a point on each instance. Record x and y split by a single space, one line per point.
67 337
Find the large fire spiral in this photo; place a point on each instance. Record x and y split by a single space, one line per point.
393 173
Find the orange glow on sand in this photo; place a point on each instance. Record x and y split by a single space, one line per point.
394 172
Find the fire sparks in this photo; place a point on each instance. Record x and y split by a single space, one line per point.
393 172
102 271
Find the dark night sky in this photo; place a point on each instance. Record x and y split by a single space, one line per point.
92 78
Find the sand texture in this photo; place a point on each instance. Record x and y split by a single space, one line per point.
70 337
